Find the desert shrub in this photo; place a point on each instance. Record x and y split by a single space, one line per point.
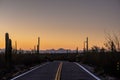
106 61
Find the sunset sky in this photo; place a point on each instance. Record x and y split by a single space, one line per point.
59 23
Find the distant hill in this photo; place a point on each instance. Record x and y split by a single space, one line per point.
2 50
60 50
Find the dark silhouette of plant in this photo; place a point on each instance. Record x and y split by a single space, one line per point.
8 51
84 46
38 45
87 44
15 46
104 63
112 43
117 42
95 49
77 50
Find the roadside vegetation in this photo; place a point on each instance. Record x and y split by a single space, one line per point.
104 64
104 61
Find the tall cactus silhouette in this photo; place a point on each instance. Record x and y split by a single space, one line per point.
8 51
77 50
84 46
38 45
87 44
15 46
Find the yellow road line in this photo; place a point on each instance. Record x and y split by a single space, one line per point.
58 74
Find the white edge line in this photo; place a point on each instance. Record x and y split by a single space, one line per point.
87 71
28 72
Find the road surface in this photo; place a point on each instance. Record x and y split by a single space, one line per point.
57 71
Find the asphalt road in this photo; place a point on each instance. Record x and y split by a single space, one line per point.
57 71
71 71
45 72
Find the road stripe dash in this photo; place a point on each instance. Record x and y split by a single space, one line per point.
58 74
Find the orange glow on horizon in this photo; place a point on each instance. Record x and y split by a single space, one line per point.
28 43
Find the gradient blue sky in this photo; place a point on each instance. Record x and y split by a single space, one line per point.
59 23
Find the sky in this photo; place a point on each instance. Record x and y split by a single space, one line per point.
58 23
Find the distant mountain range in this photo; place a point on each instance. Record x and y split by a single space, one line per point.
2 50
60 50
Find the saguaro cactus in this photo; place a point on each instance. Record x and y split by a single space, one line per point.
84 46
38 45
8 50
87 44
77 50
16 47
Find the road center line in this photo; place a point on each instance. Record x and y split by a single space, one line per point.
87 71
28 71
58 74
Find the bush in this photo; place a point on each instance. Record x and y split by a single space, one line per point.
106 61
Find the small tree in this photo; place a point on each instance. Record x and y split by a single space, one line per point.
112 43
117 42
95 49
